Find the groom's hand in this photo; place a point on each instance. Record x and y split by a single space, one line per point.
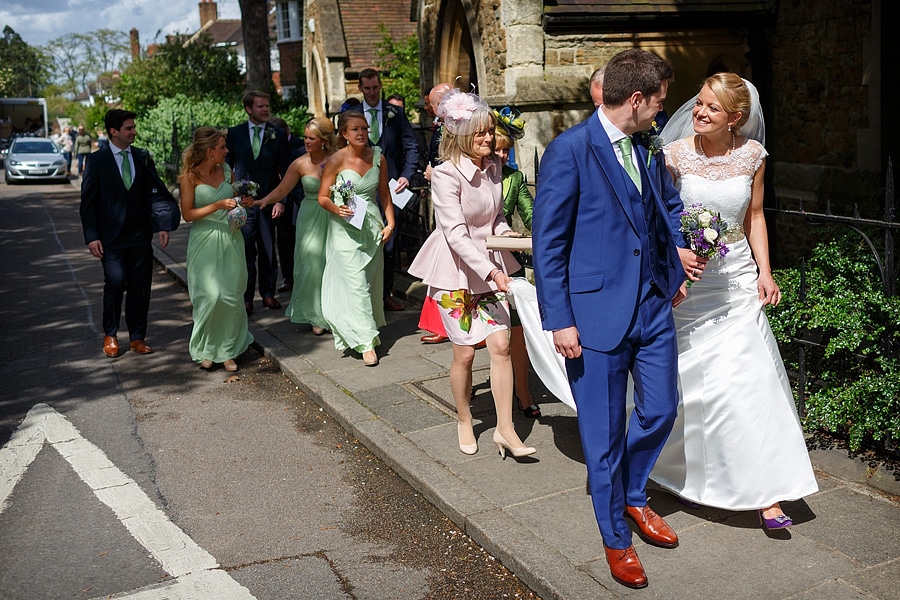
566 342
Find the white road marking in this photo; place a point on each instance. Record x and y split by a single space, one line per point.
196 572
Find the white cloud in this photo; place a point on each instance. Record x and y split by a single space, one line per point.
39 21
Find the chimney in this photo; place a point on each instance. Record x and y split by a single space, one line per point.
135 44
208 12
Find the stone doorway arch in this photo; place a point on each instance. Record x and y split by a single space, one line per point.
316 83
456 52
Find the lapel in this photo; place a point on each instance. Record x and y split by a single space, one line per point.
648 174
609 164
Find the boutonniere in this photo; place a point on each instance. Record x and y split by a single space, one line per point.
390 113
269 135
652 141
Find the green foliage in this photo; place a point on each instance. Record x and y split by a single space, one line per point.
296 118
24 69
155 127
855 374
199 71
398 62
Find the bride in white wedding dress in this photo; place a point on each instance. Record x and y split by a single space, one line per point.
737 443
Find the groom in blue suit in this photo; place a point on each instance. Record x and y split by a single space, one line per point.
607 269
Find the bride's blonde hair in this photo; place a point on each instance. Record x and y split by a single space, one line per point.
732 93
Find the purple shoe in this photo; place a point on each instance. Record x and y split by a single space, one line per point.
781 521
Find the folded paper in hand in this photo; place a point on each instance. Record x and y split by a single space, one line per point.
358 205
400 199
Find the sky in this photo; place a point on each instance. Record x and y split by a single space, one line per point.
39 21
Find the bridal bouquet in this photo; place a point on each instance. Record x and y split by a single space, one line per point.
237 216
704 230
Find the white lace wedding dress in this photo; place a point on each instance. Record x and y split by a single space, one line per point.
737 442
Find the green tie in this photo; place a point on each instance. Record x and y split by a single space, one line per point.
126 169
254 141
374 134
625 147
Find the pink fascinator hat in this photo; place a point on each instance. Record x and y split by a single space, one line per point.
463 113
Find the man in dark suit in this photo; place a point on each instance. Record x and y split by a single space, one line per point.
390 130
286 224
259 152
607 267
118 228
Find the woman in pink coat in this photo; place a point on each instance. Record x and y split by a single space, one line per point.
467 280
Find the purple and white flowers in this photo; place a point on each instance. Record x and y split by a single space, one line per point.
704 231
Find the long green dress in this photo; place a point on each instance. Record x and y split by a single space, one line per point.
354 265
309 257
217 279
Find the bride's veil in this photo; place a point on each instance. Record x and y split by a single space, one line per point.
681 124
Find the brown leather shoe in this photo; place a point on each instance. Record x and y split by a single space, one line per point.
110 346
391 304
651 527
140 347
625 567
271 303
434 339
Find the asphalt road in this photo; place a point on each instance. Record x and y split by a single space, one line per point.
167 480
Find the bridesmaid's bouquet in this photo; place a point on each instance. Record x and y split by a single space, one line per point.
237 216
704 230
344 190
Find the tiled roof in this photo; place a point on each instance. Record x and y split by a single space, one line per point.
222 31
361 21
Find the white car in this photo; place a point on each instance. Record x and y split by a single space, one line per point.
32 159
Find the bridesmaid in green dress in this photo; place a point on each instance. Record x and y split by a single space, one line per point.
312 224
216 265
352 285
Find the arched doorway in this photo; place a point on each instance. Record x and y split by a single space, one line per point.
315 84
456 55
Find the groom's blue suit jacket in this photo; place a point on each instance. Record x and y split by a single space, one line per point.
587 249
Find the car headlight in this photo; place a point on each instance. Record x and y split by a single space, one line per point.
15 163
59 163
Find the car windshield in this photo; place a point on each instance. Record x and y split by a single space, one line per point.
34 147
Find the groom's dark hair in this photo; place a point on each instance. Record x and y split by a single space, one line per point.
631 71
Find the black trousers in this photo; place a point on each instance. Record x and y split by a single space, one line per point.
259 245
128 273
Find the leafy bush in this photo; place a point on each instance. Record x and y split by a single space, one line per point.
155 128
854 371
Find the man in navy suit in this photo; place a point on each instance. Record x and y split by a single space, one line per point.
118 228
259 151
607 267
391 131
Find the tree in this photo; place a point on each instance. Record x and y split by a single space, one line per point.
398 62
82 58
255 30
198 70
72 58
25 69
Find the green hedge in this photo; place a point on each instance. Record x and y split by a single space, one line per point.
853 382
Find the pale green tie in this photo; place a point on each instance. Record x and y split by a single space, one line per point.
625 147
254 141
374 133
126 169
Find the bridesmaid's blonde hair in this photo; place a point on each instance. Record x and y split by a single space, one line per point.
323 129
204 139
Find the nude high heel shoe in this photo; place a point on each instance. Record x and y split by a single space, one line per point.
503 445
465 448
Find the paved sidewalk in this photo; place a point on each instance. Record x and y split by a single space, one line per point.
535 514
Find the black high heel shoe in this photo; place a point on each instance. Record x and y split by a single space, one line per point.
532 411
